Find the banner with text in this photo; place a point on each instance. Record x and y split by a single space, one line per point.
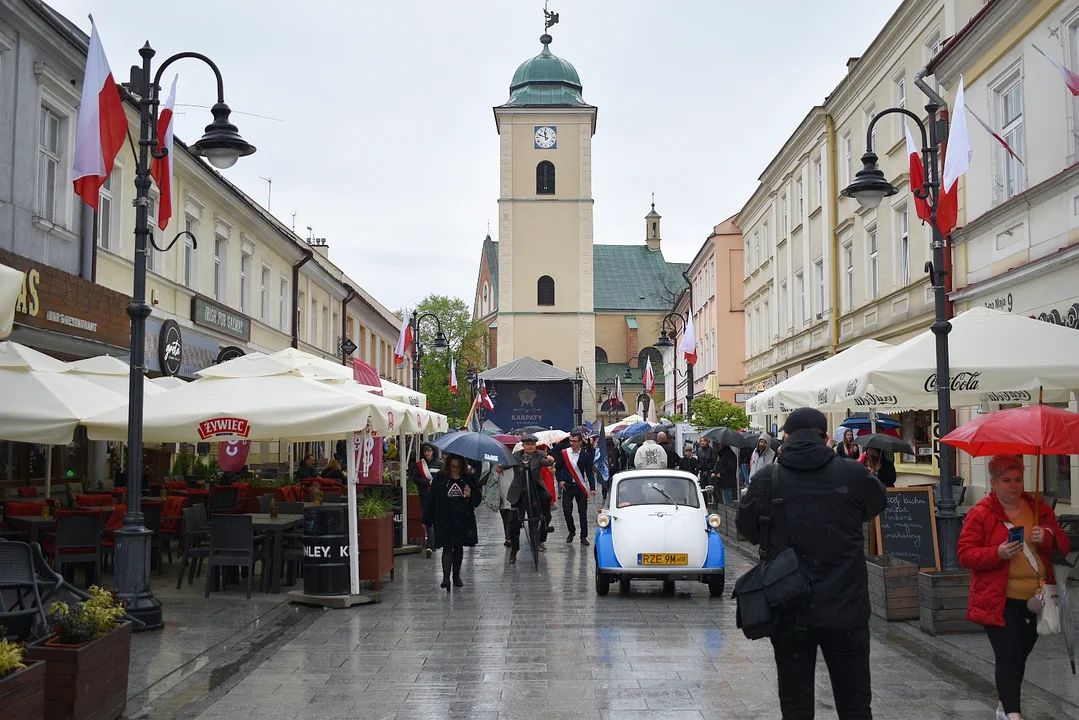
520 404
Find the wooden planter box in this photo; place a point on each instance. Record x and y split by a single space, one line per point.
942 602
415 530
729 525
376 548
88 682
22 693
893 587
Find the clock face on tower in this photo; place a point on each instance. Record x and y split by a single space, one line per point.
546 137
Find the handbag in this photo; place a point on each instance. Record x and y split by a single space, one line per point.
775 588
1047 596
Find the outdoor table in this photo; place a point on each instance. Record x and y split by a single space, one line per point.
34 524
263 523
106 510
311 504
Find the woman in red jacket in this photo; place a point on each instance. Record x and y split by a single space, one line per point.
1006 575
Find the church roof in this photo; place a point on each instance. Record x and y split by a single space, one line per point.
490 251
546 80
632 277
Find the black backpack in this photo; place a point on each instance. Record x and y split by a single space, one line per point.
775 588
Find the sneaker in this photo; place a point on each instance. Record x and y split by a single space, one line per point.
543 547
513 557
427 552
1001 715
570 538
584 541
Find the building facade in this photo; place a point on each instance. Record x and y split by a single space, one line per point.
1018 249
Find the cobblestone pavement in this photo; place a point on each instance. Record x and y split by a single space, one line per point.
513 644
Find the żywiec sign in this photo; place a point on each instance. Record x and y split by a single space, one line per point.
224 426
210 314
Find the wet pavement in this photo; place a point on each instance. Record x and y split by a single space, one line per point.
518 643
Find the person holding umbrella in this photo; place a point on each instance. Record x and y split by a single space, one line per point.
1006 542
451 510
881 465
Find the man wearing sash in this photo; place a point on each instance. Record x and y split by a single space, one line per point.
573 470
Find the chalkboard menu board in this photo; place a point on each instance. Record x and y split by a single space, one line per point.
907 528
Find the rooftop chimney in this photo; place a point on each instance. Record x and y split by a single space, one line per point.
320 246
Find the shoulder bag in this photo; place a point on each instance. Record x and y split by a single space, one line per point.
1046 601
775 588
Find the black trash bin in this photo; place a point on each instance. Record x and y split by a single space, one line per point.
325 550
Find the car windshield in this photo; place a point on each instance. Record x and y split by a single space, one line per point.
657 491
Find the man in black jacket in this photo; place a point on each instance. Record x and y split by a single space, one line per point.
826 499
667 444
725 473
706 461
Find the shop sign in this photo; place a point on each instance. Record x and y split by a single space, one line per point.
170 348
210 314
1004 303
229 353
197 351
231 426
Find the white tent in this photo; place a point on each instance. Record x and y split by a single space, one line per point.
994 357
110 373
10 289
801 390
43 402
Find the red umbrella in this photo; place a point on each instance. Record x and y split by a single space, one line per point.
509 440
1030 430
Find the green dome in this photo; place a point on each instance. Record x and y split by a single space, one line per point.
546 80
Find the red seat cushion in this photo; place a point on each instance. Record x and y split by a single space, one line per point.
93 500
116 520
22 507
176 485
28 492
172 513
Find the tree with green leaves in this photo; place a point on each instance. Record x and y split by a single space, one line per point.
709 411
464 336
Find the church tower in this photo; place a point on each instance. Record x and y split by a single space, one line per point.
545 257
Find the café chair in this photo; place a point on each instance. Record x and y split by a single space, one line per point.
76 541
18 583
194 544
233 543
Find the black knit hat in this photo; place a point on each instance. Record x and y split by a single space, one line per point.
806 419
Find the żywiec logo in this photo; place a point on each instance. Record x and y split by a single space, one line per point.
224 426
962 381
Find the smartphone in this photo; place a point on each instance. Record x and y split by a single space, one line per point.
1015 534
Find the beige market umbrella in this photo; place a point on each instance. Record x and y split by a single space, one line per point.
10 289
110 373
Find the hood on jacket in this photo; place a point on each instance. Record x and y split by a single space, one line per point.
805 450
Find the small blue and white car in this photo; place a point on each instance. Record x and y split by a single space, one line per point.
656 526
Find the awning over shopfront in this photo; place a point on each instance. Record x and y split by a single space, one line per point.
10 288
994 357
801 390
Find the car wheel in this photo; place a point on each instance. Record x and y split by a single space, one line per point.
603 583
715 585
668 587
623 586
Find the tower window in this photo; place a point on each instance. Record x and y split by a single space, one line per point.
545 178
653 229
545 290
601 355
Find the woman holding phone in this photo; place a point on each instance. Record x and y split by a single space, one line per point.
1006 542
451 509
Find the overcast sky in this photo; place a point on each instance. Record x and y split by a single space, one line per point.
384 140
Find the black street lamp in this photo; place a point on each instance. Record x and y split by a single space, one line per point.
470 374
666 340
609 396
222 146
869 188
440 343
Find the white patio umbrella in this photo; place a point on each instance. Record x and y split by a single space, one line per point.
168 382
801 390
312 365
10 289
110 373
994 356
400 393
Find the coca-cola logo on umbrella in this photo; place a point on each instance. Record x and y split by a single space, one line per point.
962 381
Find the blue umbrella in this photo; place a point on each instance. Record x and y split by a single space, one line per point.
475 446
861 421
634 429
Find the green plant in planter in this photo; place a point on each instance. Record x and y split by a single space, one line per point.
373 506
85 621
10 657
202 469
411 488
181 464
391 477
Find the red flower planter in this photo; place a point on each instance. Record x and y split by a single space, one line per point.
22 693
85 682
416 530
376 548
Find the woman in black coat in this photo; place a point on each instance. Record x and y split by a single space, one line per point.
451 510
846 447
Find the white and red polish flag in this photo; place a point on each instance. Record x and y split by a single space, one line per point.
689 342
955 164
161 170
404 343
102 124
649 377
485 398
1070 78
917 176
453 376
998 138
618 392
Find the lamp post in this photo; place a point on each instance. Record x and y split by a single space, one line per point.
471 376
869 188
609 398
471 372
666 340
222 146
417 351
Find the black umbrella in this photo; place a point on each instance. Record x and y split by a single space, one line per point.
726 436
887 443
526 430
753 438
475 446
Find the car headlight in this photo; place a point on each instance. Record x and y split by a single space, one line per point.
603 520
714 521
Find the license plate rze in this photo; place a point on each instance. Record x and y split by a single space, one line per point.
662 559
